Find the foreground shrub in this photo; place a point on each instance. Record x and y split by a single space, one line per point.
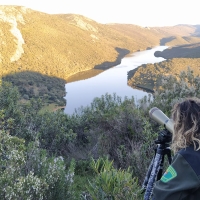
28 173
118 129
112 184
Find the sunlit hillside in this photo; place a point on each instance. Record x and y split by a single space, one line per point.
149 76
183 52
63 45
59 45
169 36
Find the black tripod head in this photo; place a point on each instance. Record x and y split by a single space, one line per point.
164 137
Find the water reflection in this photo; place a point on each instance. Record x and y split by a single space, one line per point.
114 80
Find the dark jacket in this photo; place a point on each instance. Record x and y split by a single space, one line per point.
181 181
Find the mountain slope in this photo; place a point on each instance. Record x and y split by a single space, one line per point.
63 45
59 45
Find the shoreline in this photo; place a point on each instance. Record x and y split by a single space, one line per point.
97 69
106 65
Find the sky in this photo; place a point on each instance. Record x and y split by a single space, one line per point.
138 12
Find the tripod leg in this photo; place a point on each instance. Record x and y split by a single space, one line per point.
144 185
169 156
156 165
161 168
168 152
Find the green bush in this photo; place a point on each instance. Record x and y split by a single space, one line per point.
112 184
29 173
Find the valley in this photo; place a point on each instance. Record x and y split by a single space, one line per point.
64 45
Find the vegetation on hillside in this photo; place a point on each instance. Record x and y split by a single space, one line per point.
179 58
149 76
33 85
63 45
179 41
93 154
181 51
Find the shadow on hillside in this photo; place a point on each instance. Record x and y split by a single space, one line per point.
106 65
36 85
197 31
99 68
163 41
183 51
84 75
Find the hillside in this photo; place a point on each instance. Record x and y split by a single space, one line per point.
63 45
182 51
169 36
58 45
148 76
35 85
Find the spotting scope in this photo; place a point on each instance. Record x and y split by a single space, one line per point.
157 115
155 170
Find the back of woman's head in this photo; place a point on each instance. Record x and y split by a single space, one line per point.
186 116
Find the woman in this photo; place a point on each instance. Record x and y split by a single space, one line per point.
182 178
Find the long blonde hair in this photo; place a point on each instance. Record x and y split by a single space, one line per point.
186 116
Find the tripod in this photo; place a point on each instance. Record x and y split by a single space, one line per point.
155 169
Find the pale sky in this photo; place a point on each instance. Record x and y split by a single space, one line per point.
139 12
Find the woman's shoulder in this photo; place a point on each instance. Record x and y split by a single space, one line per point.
189 151
192 157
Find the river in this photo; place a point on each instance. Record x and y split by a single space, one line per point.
114 80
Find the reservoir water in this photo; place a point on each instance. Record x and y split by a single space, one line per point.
114 80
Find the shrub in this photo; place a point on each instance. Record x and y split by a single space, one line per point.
112 184
28 173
